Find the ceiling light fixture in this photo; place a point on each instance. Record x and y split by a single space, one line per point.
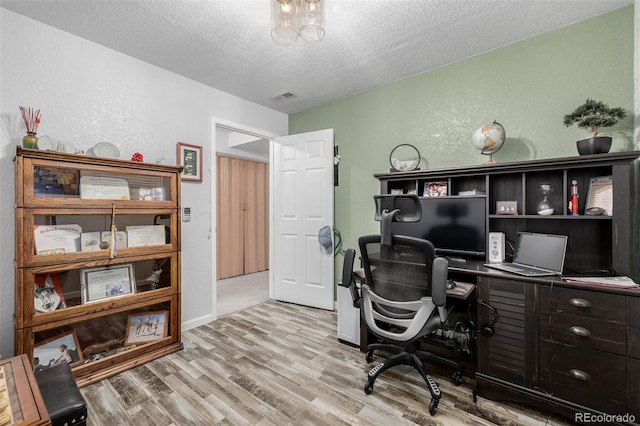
291 19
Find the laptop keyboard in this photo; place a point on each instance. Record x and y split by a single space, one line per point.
525 269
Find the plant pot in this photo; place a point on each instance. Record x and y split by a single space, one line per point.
597 145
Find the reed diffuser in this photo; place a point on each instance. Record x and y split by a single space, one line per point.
31 119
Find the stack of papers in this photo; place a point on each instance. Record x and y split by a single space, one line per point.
617 282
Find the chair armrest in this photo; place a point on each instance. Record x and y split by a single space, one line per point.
347 277
439 281
439 274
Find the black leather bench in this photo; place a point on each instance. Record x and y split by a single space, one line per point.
65 403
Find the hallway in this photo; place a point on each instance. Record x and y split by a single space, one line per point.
241 292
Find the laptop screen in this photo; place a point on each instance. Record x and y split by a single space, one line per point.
541 250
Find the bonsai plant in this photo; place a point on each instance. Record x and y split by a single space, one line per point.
593 115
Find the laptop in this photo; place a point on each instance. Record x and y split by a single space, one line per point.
536 255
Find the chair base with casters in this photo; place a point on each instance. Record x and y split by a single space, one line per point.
405 351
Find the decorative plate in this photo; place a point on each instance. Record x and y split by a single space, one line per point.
105 150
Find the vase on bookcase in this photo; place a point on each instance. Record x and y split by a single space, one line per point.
30 141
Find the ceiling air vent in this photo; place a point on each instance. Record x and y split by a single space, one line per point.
282 96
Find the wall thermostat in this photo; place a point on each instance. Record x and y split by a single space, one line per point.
186 214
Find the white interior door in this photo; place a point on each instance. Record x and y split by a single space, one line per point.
302 167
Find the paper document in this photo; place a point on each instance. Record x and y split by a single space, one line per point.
620 282
56 239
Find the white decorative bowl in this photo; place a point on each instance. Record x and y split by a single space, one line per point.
104 150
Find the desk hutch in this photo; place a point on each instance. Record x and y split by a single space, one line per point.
66 206
568 348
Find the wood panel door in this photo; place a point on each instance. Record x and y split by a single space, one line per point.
242 212
256 217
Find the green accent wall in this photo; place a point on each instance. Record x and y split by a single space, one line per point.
527 86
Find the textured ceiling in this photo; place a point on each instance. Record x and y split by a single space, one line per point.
227 44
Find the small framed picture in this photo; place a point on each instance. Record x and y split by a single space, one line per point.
600 195
507 207
105 282
146 327
435 189
48 295
190 159
63 348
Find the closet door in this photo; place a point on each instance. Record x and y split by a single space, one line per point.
242 216
256 217
230 257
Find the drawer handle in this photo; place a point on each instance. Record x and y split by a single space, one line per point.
580 375
580 303
580 331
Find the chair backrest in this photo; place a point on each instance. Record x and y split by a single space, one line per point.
401 271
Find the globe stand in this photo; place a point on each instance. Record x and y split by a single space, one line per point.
490 160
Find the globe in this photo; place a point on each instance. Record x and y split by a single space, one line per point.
488 139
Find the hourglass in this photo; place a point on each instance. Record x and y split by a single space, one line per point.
544 206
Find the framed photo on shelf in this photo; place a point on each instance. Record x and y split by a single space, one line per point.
435 189
507 207
48 295
600 195
105 282
146 327
190 159
63 348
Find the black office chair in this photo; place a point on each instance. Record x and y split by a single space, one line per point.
403 298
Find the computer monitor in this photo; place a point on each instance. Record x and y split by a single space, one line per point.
454 225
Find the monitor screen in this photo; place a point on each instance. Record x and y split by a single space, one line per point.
454 225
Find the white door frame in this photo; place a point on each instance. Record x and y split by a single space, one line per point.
240 128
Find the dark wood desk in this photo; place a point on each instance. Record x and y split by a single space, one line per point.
570 348
564 347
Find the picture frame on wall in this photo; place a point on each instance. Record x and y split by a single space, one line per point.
146 327
190 159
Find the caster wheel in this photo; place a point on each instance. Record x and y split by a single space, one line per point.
369 356
433 405
368 387
457 379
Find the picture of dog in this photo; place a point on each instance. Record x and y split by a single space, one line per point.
46 298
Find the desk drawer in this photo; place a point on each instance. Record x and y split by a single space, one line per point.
584 332
589 304
588 377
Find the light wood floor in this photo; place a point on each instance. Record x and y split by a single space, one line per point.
280 364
